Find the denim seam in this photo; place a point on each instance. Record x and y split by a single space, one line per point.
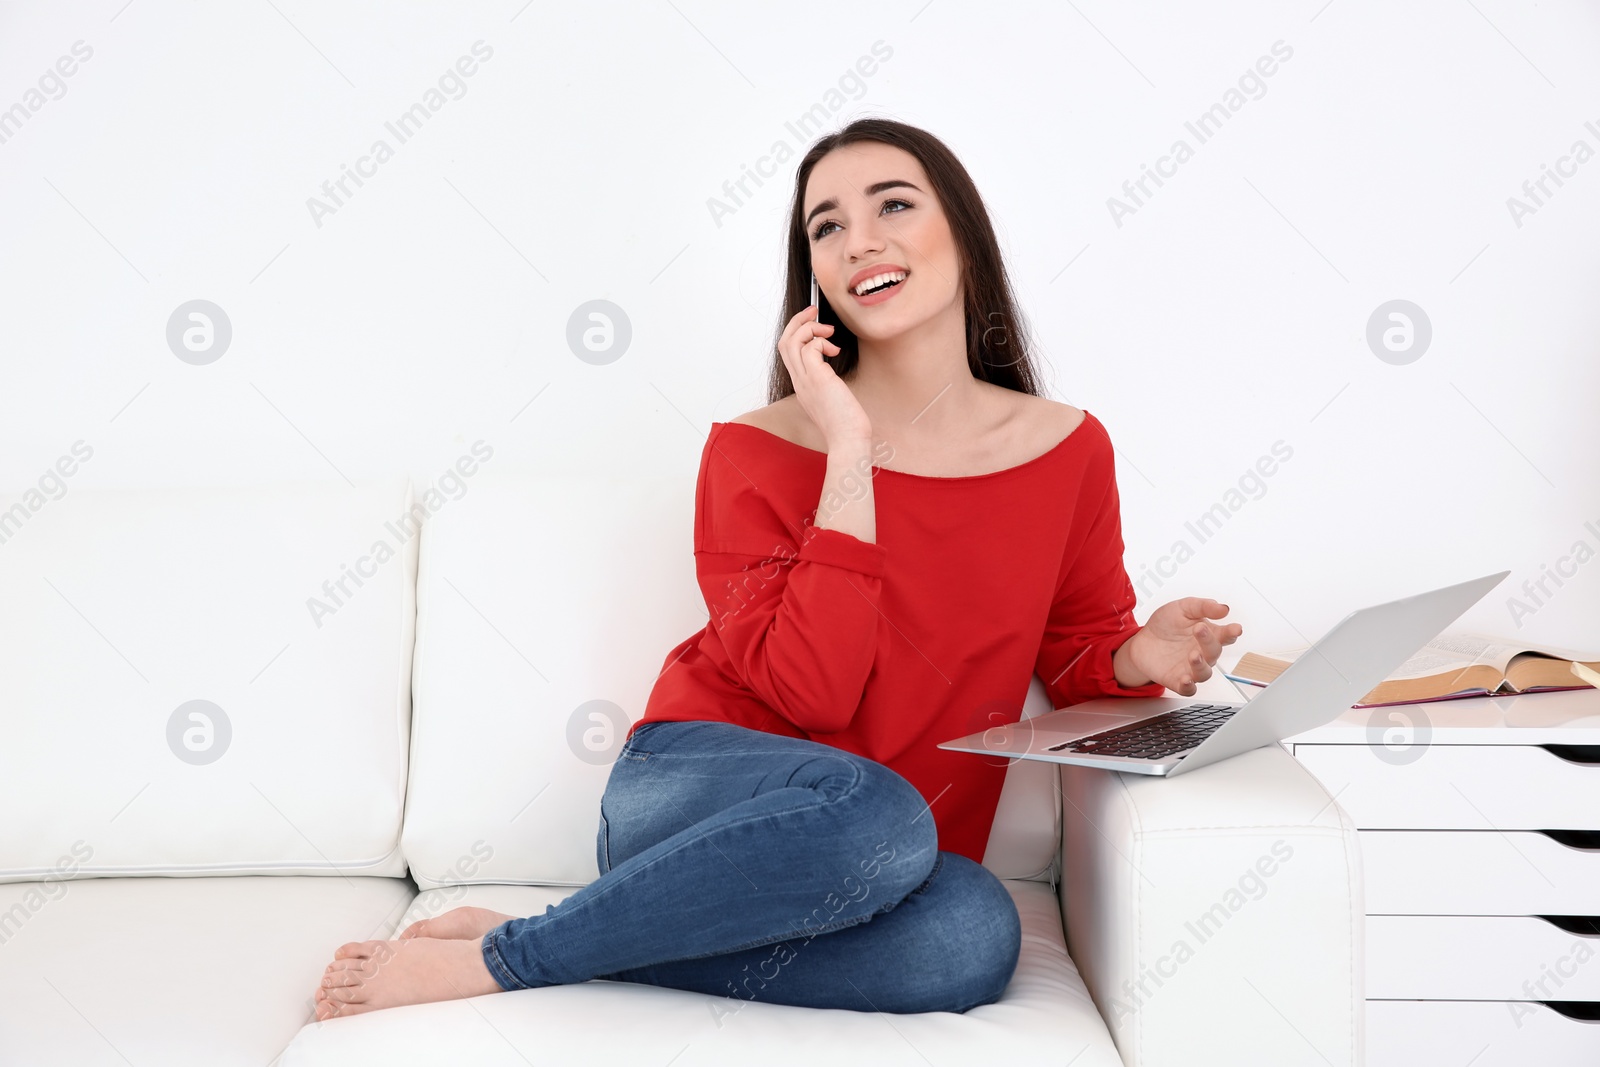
497 966
801 934
633 737
938 861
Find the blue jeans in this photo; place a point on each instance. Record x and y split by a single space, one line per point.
760 867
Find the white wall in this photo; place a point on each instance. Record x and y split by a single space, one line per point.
1228 313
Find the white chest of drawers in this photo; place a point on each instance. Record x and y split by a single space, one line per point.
1479 822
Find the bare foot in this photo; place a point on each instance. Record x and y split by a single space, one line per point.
368 975
457 924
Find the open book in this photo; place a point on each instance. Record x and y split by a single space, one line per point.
1457 663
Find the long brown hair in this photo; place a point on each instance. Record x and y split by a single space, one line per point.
998 348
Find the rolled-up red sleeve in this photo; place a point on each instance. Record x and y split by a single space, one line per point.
1091 615
794 606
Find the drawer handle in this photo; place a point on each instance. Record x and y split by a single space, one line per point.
1575 753
1587 1011
1584 839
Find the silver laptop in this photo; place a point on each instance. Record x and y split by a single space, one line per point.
1170 735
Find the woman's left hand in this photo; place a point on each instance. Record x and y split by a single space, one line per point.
1178 646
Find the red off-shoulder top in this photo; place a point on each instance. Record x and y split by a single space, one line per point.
935 630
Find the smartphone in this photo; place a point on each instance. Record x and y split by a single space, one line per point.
816 298
823 315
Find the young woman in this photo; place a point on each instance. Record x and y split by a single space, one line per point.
889 551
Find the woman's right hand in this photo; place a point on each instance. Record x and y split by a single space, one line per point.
822 394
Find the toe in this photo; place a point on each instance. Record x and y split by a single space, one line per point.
351 972
331 1009
357 950
343 996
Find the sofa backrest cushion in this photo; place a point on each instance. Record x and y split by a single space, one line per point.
206 681
546 607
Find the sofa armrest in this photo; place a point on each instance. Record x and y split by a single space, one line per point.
1217 917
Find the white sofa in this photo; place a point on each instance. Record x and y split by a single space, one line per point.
439 733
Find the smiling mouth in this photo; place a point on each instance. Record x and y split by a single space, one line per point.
873 296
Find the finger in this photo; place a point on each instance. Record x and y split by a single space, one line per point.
809 313
813 351
1192 607
811 324
799 329
803 337
1202 607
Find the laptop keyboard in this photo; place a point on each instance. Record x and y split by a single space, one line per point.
1156 738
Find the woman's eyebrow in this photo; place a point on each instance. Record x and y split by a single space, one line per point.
872 190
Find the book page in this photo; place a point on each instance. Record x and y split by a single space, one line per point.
1445 654
1455 649
1555 652
1431 660
1472 647
1498 651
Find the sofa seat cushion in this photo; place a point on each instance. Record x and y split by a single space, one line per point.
1044 1016
175 971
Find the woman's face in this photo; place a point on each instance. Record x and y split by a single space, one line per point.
870 210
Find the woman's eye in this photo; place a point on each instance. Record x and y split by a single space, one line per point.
821 230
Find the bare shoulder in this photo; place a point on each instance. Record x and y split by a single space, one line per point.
1061 418
787 419
1040 422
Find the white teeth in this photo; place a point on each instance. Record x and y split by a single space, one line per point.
893 276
